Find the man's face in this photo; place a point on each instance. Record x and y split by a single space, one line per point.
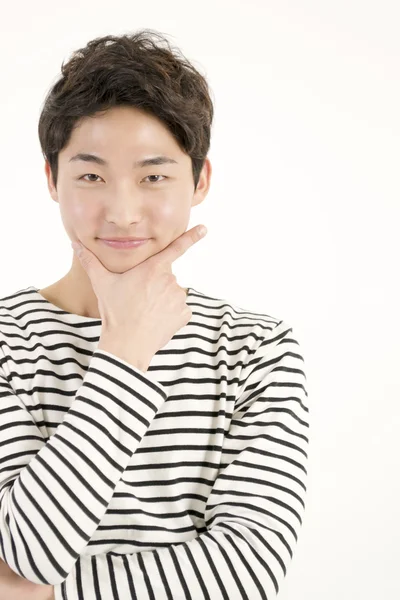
119 199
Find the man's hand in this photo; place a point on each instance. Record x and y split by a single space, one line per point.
18 588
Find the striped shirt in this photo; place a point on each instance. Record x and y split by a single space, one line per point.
187 481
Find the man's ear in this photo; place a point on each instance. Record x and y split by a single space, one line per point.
50 182
204 183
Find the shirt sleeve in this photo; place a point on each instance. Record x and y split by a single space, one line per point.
44 484
253 513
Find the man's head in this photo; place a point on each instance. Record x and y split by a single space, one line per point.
124 100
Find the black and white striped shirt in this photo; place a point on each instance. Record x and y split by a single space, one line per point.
184 482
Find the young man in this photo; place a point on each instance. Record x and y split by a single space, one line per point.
154 442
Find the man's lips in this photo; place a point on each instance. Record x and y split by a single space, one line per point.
133 243
124 239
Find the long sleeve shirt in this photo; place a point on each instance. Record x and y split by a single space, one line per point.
187 481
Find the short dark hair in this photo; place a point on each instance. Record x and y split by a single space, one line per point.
129 70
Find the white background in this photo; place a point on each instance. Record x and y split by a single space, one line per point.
303 220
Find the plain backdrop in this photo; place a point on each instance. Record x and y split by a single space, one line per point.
303 224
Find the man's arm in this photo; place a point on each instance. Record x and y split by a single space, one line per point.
45 525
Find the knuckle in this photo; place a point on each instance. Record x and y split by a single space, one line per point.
167 279
171 278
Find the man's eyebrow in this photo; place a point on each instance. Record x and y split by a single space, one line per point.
146 162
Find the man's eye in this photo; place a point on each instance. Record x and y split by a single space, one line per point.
94 174
156 176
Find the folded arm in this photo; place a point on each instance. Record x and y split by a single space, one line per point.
54 493
254 512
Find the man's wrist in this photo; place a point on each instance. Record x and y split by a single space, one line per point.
125 353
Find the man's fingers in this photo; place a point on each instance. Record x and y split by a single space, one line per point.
179 246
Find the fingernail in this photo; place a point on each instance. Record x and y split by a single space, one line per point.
202 230
77 247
